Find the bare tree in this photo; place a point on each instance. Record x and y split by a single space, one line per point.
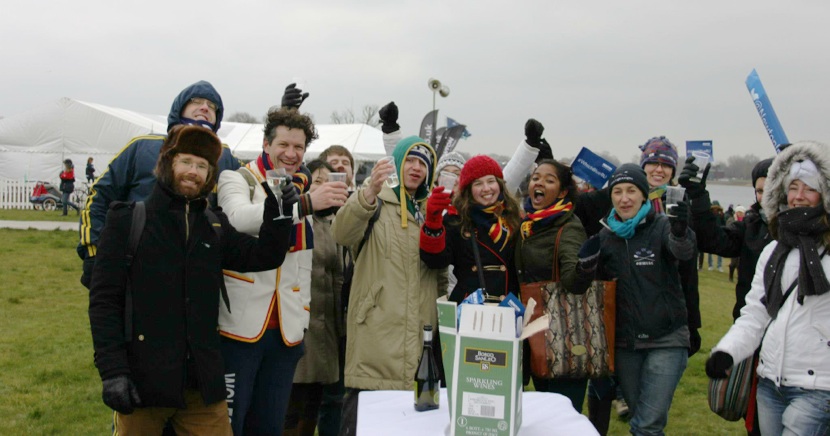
242 117
347 116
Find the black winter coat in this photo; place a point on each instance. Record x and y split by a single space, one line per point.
498 264
745 239
650 300
176 277
593 207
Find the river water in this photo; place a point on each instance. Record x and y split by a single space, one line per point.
735 195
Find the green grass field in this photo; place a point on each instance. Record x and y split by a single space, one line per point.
49 384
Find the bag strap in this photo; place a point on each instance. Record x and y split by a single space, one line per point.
368 231
555 269
216 225
139 218
249 177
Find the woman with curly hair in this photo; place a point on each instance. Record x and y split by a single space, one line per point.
550 209
483 219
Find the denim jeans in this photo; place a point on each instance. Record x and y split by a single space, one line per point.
258 377
788 410
648 378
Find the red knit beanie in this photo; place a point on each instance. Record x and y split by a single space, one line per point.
478 166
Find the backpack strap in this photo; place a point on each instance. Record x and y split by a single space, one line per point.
139 218
216 225
368 231
249 177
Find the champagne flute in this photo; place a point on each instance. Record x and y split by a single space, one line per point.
277 179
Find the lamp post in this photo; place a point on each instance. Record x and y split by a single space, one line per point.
443 90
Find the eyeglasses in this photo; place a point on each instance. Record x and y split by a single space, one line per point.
198 101
201 167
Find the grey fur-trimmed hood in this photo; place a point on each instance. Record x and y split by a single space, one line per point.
775 193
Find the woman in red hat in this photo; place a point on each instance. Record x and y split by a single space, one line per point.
483 218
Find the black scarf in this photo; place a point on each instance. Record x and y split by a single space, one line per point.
802 228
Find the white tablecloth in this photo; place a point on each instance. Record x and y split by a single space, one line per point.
382 413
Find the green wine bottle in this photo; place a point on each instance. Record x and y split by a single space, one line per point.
427 383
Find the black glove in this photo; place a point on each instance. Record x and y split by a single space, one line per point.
120 394
272 205
533 137
688 178
533 133
290 197
389 117
293 97
589 255
679 219
86 277
694 341
717 364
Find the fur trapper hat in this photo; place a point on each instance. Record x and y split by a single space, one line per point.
779 174
195 140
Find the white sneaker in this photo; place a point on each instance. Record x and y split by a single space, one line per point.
621 407
720 269
710 268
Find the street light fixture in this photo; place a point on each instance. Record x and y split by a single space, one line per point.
443 90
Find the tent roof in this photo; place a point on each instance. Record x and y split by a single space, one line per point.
34 143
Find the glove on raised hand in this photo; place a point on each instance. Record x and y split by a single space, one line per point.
533 137
120 394
694 341
533 132
290 197
389 117
589 255
293 97
437 203
680 219
688 178
717 364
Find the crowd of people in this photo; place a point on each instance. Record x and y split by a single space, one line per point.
224 303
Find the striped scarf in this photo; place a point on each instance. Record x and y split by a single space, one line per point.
538 219
655 196
491 218
302 236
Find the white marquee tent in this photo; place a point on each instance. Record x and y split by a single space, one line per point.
33 144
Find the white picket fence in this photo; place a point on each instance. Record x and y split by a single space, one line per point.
14 194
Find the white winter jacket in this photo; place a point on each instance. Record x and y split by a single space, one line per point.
254 296
796 348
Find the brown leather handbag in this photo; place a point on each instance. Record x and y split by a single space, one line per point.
579 342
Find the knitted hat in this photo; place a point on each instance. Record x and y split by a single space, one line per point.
760 170
658 150
422 153
451 158
195 140
811 163
630 173
740 209
478 166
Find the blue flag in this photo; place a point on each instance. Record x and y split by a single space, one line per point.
765 110
592 168
452 123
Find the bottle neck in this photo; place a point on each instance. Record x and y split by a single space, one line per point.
427 337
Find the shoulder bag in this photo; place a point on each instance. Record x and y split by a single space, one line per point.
580 340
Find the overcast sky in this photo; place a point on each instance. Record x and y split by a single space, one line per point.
601 74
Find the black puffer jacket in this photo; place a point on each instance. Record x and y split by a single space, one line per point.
745 239
593 207
650 301
176 276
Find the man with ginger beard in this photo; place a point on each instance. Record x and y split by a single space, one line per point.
153 320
